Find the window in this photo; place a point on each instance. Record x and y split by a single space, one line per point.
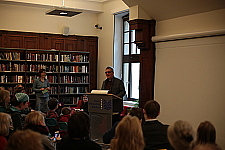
131 63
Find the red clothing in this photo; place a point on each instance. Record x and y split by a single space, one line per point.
64 118
3 142
52 114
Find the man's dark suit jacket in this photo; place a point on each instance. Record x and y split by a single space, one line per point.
155 135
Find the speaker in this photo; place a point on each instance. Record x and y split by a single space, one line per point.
66 30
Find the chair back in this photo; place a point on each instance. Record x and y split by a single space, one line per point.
51 122
63 126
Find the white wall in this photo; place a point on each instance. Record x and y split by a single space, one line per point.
212 20
106 36
33 19
189 79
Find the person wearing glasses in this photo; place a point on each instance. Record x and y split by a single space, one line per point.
114 85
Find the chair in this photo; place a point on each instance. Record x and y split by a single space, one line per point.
63 126
52 125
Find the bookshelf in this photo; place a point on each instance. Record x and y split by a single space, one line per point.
67 71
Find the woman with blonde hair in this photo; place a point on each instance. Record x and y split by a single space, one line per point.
128 135
35 121
5 120
25 140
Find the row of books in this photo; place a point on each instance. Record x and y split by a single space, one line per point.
11 79
55 57
69 100
72 90
10 55
74 79
82 69
44 57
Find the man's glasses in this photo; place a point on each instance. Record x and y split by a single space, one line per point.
108 72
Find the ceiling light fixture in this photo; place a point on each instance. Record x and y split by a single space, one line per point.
63 11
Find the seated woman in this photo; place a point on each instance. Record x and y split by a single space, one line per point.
35 121
19 102
78 134
181 135
5 120
84 104
4 100
128 135
24 140
206 134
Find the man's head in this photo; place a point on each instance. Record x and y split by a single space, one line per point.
109 72
151 109
53 103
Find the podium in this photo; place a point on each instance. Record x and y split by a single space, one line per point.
101 108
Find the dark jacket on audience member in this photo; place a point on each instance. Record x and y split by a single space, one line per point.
155 135
78 144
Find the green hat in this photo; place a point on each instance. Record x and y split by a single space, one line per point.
22 97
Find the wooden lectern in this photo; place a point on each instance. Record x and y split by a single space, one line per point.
101 107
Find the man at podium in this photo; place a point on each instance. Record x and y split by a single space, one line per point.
113 84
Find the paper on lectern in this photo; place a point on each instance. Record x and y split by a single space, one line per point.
99 91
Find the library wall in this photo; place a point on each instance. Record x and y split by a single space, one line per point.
189 82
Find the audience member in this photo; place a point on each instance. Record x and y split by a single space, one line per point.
206 133
19 89
35 121
66 111
155 133
4 100
78 134
5 120
111 133
20 102
181 135
52 105
24 140
207 147
128 135
84 104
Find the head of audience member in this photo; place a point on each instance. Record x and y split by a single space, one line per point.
5 124
4 98
36 122
35 118
128 135
2 88
138 112
181 135
151 109
25 140
53 104
109 72
85 98
79 125
66 111
20 101
206 133
207 147
19 88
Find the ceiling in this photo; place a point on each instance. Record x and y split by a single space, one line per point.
168 9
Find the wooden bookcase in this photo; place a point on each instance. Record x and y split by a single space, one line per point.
70 61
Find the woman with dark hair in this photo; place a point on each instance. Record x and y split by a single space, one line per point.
206 135
41 87
4 100
78 134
